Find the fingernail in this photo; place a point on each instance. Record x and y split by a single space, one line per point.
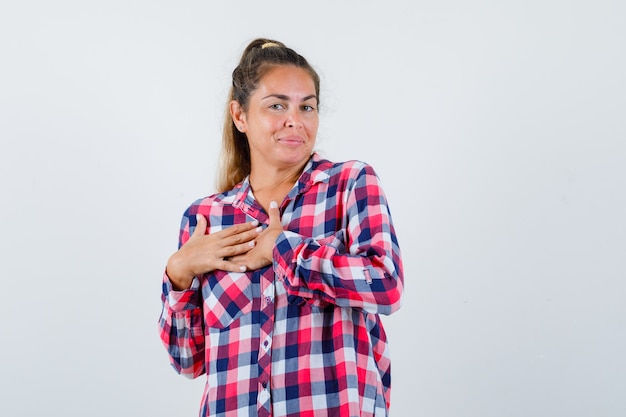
251 243
242 268
198 217
259 229
273 204
254 222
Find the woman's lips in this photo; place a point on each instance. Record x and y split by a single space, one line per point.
291 141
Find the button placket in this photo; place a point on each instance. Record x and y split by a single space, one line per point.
265 338
267 343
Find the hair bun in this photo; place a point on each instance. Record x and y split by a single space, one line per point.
270 45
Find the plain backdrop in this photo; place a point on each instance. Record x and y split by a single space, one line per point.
497 129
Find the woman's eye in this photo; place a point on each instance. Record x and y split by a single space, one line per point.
277 107
308 108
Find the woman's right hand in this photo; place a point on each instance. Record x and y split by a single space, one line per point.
204 253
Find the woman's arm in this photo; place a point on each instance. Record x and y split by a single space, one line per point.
181 325
358 267
181 328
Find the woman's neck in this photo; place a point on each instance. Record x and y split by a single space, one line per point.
272 186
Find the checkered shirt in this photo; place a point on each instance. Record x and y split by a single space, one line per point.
303 336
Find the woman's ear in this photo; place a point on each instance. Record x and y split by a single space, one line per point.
238 115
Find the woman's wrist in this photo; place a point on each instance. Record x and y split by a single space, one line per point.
180 279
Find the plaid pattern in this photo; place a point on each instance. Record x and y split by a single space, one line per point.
301 337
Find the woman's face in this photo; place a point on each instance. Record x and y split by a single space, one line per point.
281 121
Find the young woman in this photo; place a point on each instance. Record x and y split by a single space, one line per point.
276 289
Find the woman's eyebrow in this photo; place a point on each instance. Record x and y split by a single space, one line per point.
285 97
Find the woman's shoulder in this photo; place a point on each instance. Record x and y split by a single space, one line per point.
349 169
322 164
218 198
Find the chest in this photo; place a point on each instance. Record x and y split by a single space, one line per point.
316 213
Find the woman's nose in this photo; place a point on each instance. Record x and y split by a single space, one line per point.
293 119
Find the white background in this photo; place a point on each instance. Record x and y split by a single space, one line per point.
498 131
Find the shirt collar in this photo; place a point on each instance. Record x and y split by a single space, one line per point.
314 171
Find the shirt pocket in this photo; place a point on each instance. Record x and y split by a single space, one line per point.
227 296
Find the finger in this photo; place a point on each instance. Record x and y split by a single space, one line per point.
230 239
238 228
201 224
243 237
231 266
230 252
274 215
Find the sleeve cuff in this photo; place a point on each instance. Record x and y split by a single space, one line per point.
178 301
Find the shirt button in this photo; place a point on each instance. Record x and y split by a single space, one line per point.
265 343
264 383
268 300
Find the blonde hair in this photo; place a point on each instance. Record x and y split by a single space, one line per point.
257 59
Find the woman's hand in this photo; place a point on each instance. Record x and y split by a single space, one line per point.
204 253
261 254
